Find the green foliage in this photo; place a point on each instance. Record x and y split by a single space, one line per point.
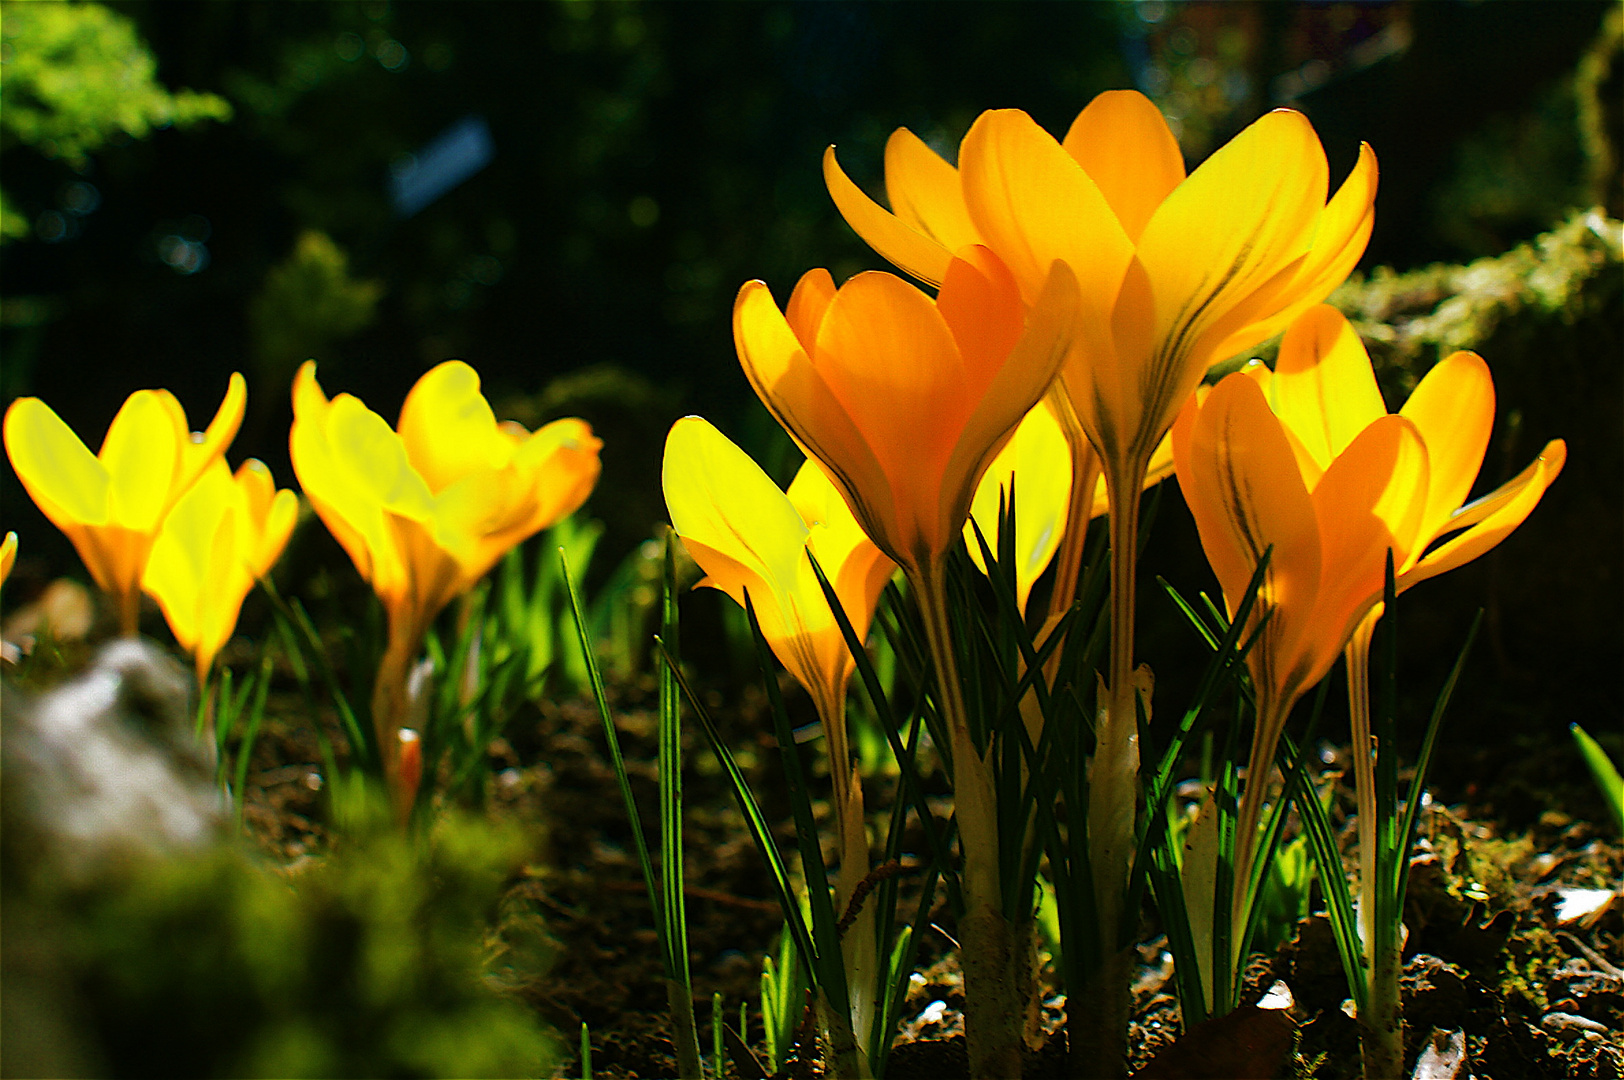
1410 320
1605 772
78 77
308 304
371 961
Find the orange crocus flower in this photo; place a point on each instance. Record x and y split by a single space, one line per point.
1332 483
904 400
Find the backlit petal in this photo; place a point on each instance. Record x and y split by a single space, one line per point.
196 455
1340 236
350 513
903 245
807 303
1491 519
925 193
1239 221
139 453
798 396
62 476
1369 501
1019 384
1453 409
1122 142
373 459
448 428
891 363
1323 387
717 496
1243 488
1033 204
1034 468
8 555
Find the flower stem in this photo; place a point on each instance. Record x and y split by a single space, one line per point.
1085 477
391 708
1381 1026
992 1014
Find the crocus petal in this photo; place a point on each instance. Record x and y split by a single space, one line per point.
857 569
196 455
796 393
448 428
1016 387
1369 501
139 453
1229 231
1033 468
8 555
878 316
1323 386
718 497
353 517
373 459
924 191
62 476
902 244
749 538
1034 204
1340 236
1123 143
562 458
1243 488
1492 518
807 303
1453 409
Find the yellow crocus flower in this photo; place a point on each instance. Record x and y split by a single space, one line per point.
112 504
222 536
748 536
426 511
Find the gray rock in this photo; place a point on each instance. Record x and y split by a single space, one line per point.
105 766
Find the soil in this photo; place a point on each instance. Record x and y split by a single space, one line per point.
1501 981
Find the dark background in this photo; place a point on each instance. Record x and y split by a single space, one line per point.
649 158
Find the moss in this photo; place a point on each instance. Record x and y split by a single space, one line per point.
1409 321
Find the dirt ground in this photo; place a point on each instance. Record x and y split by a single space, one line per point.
1504 977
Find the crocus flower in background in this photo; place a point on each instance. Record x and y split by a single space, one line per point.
8 555
750 537
1034 469
425 512
112 504
224 534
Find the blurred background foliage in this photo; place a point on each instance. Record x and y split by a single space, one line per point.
601 178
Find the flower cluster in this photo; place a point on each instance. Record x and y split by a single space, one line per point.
424 511
1085 286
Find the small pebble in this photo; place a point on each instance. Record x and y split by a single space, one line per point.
1560 1023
